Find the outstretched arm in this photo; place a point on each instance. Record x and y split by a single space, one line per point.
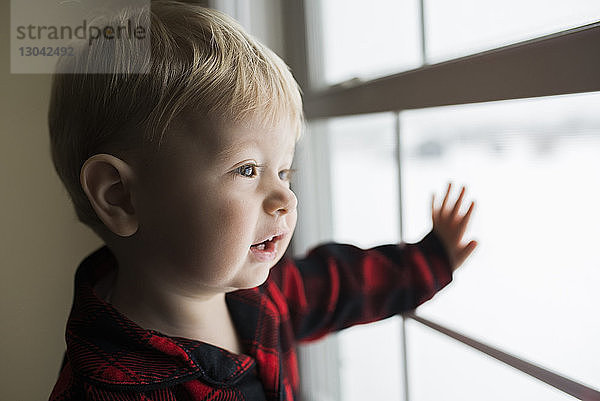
339 285
450 226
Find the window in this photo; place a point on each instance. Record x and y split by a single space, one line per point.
462 373
533 167
519 126
461 27
381 37
352 40
364 193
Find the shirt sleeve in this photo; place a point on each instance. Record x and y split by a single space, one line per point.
337 285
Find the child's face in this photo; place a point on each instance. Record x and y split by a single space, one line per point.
209 199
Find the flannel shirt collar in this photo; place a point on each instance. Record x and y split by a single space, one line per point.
107 348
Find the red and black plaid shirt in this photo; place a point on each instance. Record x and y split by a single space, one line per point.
335 286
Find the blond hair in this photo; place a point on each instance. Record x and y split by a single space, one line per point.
201 60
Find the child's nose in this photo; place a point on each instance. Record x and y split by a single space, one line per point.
280 201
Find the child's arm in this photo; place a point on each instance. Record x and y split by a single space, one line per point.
336 286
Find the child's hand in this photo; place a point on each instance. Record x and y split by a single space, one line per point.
450 226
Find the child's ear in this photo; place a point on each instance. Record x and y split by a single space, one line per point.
107 182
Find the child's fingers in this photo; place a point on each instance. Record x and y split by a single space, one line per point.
465 252
464 222
445 201
458 203
465 219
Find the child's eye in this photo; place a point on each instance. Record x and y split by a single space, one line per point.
286 174
247 170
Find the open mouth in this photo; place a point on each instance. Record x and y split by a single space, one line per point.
266 249
266 245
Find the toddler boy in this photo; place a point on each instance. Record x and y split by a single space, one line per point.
184 172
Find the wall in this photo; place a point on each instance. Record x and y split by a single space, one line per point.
41 241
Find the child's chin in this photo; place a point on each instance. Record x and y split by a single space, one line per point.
259 277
